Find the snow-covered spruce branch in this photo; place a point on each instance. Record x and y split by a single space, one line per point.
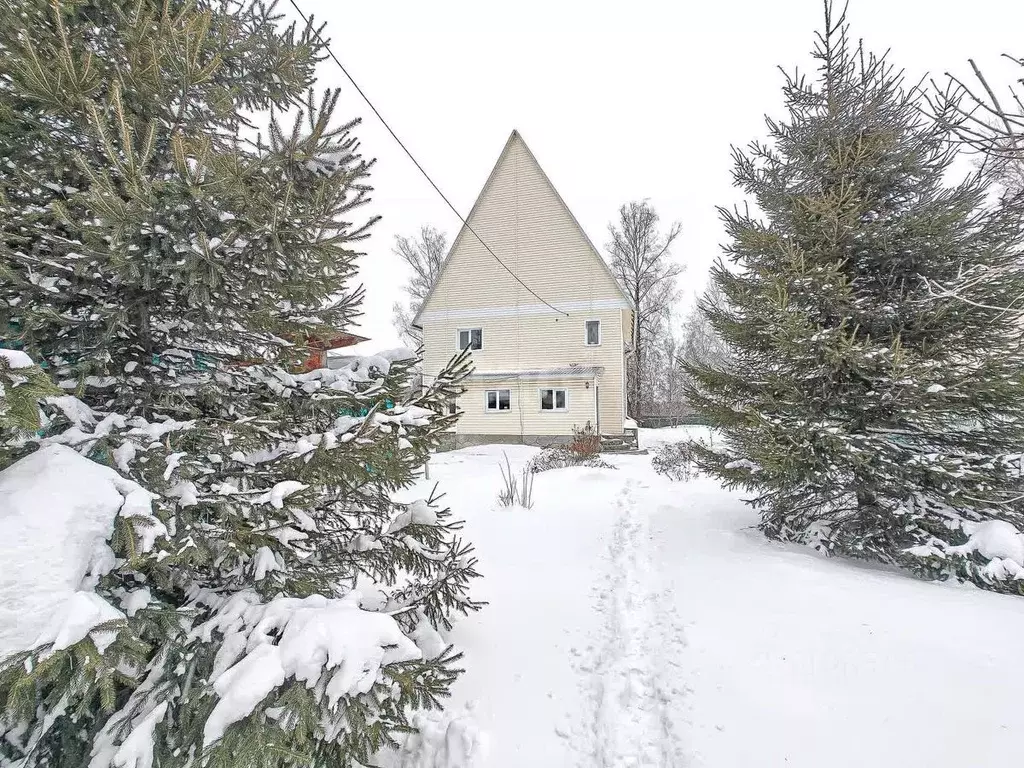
408 545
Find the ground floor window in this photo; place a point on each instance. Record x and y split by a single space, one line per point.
554 399
499 399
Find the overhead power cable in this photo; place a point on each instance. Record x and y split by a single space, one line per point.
426 175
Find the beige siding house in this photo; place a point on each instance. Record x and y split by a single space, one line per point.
538 371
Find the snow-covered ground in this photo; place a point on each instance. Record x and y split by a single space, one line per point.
638 622
632 621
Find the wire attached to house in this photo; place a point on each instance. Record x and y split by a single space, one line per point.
437 189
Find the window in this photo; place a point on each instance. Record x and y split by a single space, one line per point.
498 400
593 333
553 400
473 338
452 408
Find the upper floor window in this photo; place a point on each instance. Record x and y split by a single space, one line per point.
471 338
593 333
553 399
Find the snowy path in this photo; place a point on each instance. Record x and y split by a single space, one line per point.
626 671
638 623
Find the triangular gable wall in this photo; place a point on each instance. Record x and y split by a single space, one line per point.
524 220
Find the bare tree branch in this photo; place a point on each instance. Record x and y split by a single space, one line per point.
701 343
979 121
425 254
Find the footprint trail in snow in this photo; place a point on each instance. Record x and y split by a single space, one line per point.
630 673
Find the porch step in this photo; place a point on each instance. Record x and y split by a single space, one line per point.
618 443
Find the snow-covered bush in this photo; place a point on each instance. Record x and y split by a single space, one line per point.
584 450
560 457
675 460
585 440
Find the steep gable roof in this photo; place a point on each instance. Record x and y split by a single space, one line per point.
464 231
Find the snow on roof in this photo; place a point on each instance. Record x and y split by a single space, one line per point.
369 348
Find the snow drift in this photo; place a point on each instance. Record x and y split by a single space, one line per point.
57 509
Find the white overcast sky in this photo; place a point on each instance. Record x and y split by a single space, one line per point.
618 101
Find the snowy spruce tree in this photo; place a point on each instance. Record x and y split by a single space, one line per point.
867 416
170 269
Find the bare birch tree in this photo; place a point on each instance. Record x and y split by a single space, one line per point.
424 253
993 127
640 258
702 345
990 125
670 383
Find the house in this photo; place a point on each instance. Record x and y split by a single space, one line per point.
548 331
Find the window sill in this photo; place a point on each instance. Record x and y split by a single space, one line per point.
554 410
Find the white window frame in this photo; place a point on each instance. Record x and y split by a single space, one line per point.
497 400
554 399
586 338
458 338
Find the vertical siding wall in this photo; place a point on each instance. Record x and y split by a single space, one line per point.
526 417
526 224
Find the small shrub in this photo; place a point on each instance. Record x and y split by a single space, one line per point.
515 491
585 441
507 495
526 489
560 457
675 460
